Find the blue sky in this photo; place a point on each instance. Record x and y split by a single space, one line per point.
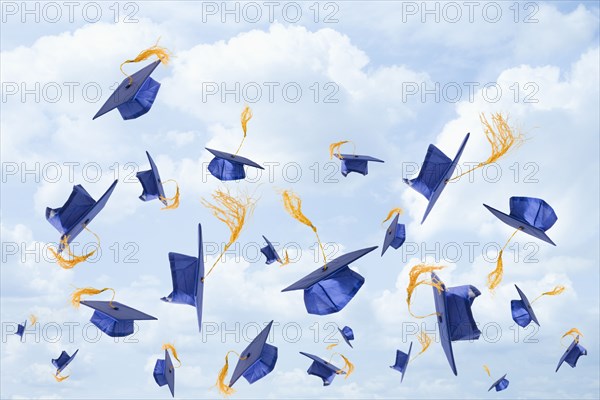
376 61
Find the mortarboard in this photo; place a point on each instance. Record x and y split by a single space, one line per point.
76 213
347 334
394 235
269 252
113 318
435 173
21 329
454 315
187 273
323 369
63 360
572 354
164 372
356 163
329 288
151 183
229 167
529 214
500 384
402 361
257 360
522 312
135 95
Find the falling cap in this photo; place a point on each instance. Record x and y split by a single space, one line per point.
229 167
323 369
269 252
394 235
356 163
402 361
113 318
257 360
328 289
522 312
435 172
572 354
500 384
164 373
151 183
63 360
347 334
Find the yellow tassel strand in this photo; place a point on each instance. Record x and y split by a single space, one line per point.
174 199
348 367
285 261
393 212
487 369
495 277
335 147
501 138
413 275
331 346
89 291
558 289
223 388
169 346
245 117
60 378
32 319
425 341
231 211
293 205
574 332
161 53
74 260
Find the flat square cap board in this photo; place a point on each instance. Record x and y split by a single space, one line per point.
347 334
572 354
257 360
356 163
401 362
115 322
437 169
229 167
151 183
126 93
269 252
394 235
164 373
522 311
500 384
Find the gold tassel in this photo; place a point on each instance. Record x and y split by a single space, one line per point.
413 275
487 369
293 205
223 388
393 212
335 147
574 332
32 319
331 346
174 199
348 367
169 346
554 292
66 263
160 52
231 211
60 378
286 260
501 138
425 341
495 277
89 291
245 117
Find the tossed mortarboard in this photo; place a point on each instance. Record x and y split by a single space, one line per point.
164 372
323 369
347 334
435 173
530 215
21 329
402 361
394 235
79 210
572 354
454 315
328 289
522 312
269 252
356 163
62 362
151 183
187 273
113 318
229 167
257 360
500 384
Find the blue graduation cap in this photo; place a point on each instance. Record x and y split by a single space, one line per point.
164 373
151 183
113 318
454 315
323 369
435 172
187 273
63 360
529 214
135 95
21 329
270 252
347 334
500 384
328 289
257 360
77 212
402 361
229 167
522 312
356 163
572 354
394 236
